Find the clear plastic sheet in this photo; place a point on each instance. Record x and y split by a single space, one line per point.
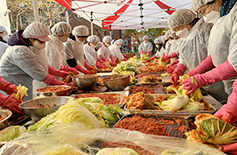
58 138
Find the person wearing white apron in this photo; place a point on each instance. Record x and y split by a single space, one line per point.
115 50
104 53
25 59
158 44
145 47
74 50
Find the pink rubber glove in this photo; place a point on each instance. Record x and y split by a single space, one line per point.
154 56
8 87
88 66
104 59
148 52
55 72
204 66
113 63
142 52
167 57
10 103
221 72
228 112
125 56
175 62
81 69
179 70
230 148
100 65
69 69
50 80
171 68
124 59
100 60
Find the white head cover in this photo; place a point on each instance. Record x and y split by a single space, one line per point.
35 29
2 28
145 37
180 18
61 28
199 3
81 30
158 40
107 39
119 41
93 39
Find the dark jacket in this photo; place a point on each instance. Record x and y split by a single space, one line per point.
17 39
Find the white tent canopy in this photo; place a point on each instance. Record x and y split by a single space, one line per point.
126 14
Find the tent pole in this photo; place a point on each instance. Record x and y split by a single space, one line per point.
36 13
91 23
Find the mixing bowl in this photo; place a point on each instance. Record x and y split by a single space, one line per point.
85 82
41 107
117 82
56 90
5 114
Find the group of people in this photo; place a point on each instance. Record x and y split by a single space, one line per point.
35 58
206 51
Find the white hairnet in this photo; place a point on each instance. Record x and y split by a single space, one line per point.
145 37
35 29
107 39
61 28
2 28
199 3
181 17
98 45
158 40
81 30
119 41
93 39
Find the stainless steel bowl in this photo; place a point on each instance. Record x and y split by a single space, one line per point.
5 115
64 92
117 82
40 107
85 82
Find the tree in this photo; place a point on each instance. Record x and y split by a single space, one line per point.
21 15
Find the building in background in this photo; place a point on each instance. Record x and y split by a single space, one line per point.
4 18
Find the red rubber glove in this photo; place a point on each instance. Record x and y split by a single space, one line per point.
124 59
81 69
8 87
10 103
100 60
69 69
167 57
224 71
50 80
55 72
104 59
171 68
100 65
125 56
113 63
154 56
88 66
175 62
204 66
230 148
142 52
228 112
179 70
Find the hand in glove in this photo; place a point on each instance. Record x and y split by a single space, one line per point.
125 56
100 65
179 70
230 148
81 69
55 72
228 112
171 68
142 52
221 72
167 57
124 59
104 59
148 52
154 56
50 80
10 103
88 66
8 87
204 66
69 69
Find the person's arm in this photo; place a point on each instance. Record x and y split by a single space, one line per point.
7 87
88 55
119 54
